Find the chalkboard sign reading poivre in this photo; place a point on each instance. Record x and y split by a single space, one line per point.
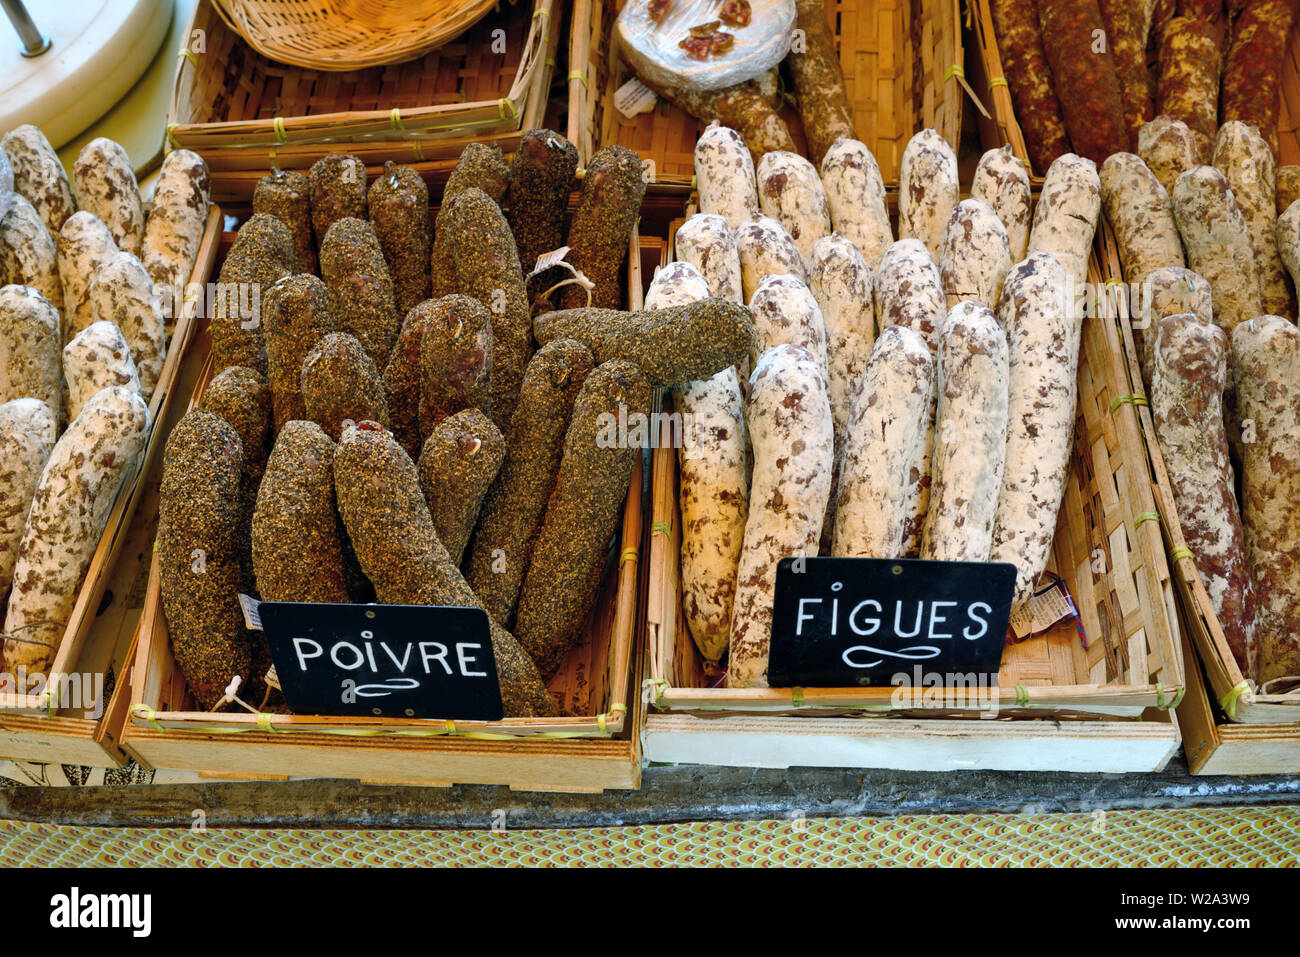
845 622
414 661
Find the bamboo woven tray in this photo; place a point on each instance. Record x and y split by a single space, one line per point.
40 727
902 66
593 750
1108 550
246 114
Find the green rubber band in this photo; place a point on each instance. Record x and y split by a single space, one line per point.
1022 696
395 118
1146 517
1181 552
663 528
264 722
619 709
998 81
148 714
171 135
1136 399
1229 701
277 125
796 697
629 555
954 70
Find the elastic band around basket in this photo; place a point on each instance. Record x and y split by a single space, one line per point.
1146 517
395 118
1229 700
618 709
796 697
1160 697
629 555
50 698
277 125
954 71
1022 696
506 108
663 528
264 722
171 135
148 714
580 76
189 55
998 81
1182 551
1137 398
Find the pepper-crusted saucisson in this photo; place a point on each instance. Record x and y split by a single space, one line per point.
791 192
1252 71
379 498
1024 63
403 378
608 207
295 316
909 291
106 186
398 203
1191 370
705 241
976 254
261 256
819 81
1189 80
457 464
28 255
724 174
455 361
1002 181
970 442
765 248
286 195
855 198
514 505
927 189
123 293
674 345
361 294
89 463
1043 351
791 430
540 178
481 166
1169 148
30 348
1065 219
1218 246
1246 162
487 264
340 384
39 176
582 514
885 470
1266 370
28 431
338 191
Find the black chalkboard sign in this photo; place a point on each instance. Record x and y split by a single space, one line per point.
842 622
414 661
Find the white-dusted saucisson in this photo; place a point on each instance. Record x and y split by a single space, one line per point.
97 358
855 196
84 245
39 175
840 282
1043 352
976 254
885 469
124 294
789 423
106 186
1169 291
1266 369
707 243
765 248
1246 162
1169 148
1288 240
30 347
1141 215
174 229
89 463
1065 219
970 441
724 174
28 255
783 310
909 291
927 189
1191 369
791 192
28 431
1002 181
1217 244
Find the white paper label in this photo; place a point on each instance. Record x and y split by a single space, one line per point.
252 617
547 260
272 679
1042 611
634 98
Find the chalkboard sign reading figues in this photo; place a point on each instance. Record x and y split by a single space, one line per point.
412 661
846 622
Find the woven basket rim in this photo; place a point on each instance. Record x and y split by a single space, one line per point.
335 42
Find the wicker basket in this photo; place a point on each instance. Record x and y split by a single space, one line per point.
1107 549
349 34
246 114
901 62
594 748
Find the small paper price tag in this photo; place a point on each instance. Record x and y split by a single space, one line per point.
546 260
1042 611
251 608
634 98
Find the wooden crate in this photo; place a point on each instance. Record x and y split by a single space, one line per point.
39 727
902 66
246 114
595 750
1060 706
